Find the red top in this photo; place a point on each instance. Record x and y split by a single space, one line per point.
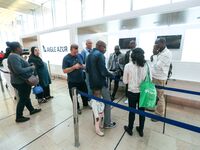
1 55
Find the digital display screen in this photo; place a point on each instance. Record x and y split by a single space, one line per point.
172 41
124 42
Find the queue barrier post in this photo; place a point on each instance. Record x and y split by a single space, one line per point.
75 117
1 82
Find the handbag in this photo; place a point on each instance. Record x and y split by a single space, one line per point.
148 93
33 80
37 89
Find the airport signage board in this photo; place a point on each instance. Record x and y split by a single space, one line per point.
54 46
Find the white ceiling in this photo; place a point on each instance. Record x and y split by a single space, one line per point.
10 9
191 15
23 6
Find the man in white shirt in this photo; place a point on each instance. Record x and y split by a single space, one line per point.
161 61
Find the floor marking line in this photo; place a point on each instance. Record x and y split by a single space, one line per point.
45 132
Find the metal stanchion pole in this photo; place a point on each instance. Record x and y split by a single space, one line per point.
75 116
1 82
165 113
49 67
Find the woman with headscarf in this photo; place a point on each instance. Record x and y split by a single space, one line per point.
20 72
43 74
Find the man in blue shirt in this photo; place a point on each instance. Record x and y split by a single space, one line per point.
84 53
73 66
96 68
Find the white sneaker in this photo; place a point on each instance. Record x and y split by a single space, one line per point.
100 133
126 101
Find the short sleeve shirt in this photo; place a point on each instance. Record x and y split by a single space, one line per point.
75 76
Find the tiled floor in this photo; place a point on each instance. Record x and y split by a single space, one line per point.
52 129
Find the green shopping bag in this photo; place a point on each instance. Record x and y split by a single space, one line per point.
148 92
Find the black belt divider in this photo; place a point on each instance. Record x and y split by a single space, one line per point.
178 90
146 114
171 89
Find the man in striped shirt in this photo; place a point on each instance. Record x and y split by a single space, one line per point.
161 61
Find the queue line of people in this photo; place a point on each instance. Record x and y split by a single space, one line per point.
88 73
133 68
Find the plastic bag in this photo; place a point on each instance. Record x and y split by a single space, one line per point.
148 92
37 89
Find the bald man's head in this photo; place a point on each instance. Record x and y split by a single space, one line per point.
101 45
161 43
132 44
117 49
88 44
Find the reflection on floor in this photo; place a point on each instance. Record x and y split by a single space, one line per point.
52 129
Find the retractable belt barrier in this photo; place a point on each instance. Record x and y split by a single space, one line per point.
178 90
170 89
150 115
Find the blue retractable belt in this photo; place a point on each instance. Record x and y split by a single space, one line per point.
146 114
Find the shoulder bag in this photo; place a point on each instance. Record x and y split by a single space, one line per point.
148 92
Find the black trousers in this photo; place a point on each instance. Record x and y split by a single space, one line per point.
133 99
116 85
24 91
44 94
82 87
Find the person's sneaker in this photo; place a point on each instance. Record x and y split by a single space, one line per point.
126 101
35 111
140 131
49 97
22 119
109 126
79 111
130 132
42 100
